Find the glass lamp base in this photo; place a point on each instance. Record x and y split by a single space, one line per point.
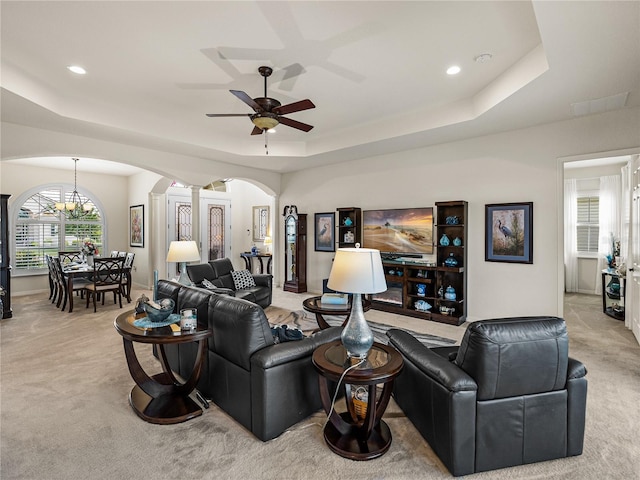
357 337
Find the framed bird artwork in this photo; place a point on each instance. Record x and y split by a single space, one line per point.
325 232
509 232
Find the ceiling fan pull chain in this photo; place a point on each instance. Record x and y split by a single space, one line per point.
266 141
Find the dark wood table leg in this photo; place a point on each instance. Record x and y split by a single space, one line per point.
70 292
352 437
247 262
161 398
261 265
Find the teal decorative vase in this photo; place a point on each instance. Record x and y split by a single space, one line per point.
450 293
457 242
451 261
444 240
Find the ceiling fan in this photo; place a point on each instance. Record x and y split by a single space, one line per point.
269 111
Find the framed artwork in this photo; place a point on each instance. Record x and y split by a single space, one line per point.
136 226
325 232
509 232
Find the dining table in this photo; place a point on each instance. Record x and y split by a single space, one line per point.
76 270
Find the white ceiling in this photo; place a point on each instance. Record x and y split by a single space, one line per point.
375 71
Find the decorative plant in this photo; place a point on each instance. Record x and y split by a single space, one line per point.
88 247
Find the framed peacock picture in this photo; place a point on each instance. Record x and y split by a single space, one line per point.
509 232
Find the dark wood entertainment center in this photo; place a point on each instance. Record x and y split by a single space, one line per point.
405 274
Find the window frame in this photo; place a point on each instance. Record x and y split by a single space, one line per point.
58 221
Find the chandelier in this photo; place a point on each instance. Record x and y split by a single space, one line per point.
75 207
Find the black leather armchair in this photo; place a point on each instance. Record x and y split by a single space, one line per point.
266 387
509 395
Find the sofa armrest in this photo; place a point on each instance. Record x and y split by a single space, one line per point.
436 367
280 353
263 280
575 369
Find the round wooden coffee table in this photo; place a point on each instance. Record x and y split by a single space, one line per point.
161 398
314 305
359 433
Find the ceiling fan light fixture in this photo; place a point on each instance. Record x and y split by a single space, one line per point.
265 122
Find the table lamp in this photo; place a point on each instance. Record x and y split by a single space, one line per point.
357 271
267 243
182 252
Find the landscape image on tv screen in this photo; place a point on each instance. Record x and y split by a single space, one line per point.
404 230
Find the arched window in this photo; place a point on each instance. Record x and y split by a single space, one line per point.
41 228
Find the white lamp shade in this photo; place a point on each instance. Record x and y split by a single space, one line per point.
267 240
357 270
183 251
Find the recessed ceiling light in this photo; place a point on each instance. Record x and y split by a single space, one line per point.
453 70
77 69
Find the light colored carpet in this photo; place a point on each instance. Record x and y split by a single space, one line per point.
65 414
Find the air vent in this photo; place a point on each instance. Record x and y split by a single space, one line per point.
599 105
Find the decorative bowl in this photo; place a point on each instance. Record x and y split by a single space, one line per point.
159 314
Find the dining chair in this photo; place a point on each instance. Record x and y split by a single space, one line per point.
78 284
70 257
114 253
107 277
126 275
52 282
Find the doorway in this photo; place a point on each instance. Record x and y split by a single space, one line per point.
589 264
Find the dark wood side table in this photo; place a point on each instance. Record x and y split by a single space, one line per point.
248 257
314 305
161 398
613 300
354 434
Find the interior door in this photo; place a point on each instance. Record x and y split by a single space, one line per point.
215 231
632 309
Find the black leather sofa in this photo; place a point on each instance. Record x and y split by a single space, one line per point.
266 387
218 272
509 395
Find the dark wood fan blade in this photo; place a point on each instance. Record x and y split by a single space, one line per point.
294 107
248 100
256 131
295 124
228 114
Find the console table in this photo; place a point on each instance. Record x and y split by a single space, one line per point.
357 434
161 399
248 257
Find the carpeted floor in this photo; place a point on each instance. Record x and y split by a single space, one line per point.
65 414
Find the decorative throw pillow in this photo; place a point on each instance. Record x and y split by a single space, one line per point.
207 284
242 279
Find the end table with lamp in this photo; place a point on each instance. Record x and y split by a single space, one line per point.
359 433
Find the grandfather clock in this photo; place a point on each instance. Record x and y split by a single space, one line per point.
5 267
295 250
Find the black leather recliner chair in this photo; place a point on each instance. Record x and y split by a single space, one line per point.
509 395
266 387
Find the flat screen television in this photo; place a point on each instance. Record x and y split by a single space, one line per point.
398 231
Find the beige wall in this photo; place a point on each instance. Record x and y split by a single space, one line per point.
518 166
